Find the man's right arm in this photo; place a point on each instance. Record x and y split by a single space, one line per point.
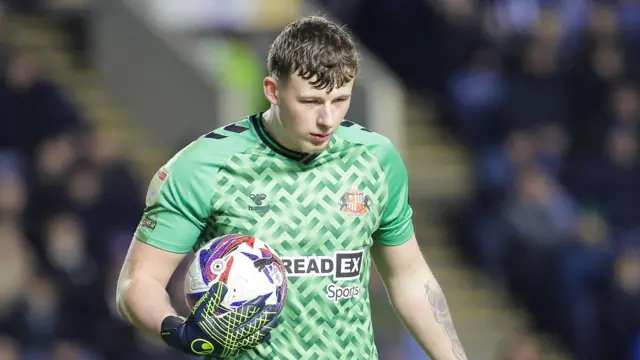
178 204
141 293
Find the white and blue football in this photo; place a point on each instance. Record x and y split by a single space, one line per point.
247 265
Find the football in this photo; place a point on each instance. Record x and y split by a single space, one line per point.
247 265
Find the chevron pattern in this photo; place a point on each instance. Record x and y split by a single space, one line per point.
300 216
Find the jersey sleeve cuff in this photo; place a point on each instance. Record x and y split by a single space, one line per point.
397 239
162 245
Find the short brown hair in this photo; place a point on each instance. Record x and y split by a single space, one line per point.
314 47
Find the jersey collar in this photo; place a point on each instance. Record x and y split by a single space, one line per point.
258 125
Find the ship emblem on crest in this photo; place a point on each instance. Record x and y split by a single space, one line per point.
355 203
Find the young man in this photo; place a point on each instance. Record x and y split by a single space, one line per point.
327 194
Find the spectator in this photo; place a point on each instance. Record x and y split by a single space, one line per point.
551 145
626 107
592 80
622 315
476 94
540 218
36 109
582 268
40 320
535 93
499 164
13 196
541 214
120 186
17 261
611 179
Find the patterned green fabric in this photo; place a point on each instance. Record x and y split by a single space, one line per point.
320 213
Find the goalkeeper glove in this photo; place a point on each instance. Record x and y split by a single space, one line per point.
205 332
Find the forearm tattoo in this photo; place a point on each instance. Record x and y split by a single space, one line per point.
443 316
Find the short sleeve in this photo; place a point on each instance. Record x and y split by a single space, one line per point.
177 205
396 226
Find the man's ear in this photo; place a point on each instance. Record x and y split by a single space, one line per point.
270 87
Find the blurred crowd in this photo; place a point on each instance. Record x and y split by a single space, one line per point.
68 204
547 99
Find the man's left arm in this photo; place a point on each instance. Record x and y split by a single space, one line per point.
418 299
412 288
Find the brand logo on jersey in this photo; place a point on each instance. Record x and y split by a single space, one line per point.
155 186
258 199
355 203
343 265
146 222
337 293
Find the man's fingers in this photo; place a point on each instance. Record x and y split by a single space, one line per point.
265 320
217 291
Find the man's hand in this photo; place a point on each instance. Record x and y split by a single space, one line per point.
206 332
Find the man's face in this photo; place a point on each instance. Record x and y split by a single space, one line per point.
309 116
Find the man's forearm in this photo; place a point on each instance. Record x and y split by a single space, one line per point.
424 311
144 303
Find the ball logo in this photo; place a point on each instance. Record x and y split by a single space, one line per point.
217 266
277 277
270 265
262 263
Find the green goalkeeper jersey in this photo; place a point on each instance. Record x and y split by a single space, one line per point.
320 212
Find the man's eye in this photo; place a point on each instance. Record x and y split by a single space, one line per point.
309 101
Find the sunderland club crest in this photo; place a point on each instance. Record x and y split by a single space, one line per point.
355 203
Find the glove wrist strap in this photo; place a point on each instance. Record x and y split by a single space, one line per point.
169 323
170 332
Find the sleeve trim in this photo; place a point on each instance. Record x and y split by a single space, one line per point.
395 242
162 245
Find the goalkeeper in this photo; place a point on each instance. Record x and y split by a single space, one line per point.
328 195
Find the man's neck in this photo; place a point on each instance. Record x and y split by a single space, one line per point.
273 126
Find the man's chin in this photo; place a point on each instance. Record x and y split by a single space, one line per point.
311 148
